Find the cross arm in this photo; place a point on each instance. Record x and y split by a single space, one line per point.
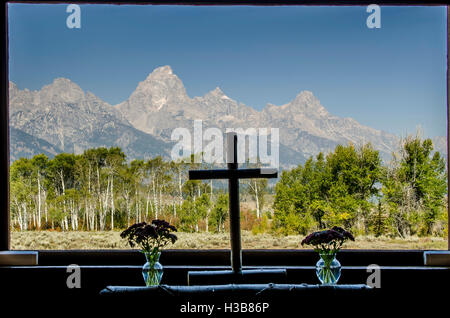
233 173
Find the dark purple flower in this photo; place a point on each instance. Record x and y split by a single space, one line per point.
150 236
331 239
345 233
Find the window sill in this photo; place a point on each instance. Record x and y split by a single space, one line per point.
293 257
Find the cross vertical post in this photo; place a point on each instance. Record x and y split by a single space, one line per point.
233 174
235 213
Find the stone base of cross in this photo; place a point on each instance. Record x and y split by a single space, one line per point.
233 174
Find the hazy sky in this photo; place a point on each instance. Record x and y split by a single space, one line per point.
392 78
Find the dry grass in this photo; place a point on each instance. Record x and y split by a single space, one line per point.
44 240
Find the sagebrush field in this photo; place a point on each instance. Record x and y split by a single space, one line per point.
111 239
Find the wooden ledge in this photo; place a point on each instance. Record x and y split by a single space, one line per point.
436 258
18 258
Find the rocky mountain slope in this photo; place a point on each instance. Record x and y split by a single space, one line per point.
71 120
62 117
160 103
27 146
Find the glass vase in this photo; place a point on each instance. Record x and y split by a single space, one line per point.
152 270
328 269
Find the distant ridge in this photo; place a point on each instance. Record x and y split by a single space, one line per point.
62 117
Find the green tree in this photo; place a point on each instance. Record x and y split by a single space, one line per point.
219 213
415 187
257 188
21 192
40 165
329 191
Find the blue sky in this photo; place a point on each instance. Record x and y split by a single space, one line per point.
392 78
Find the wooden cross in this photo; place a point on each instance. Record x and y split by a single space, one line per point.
233 174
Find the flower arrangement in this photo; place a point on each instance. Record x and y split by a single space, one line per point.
151 238
327 243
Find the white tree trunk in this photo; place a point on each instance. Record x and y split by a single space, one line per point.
112 203
155 199
258 213
180 189
39 203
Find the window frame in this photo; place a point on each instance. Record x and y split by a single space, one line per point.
4 87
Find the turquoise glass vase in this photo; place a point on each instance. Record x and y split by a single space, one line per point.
328 269
152 271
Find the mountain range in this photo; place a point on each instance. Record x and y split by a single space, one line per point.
61 117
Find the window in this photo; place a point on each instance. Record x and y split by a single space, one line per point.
104 99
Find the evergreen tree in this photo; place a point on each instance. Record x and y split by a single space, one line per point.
219 213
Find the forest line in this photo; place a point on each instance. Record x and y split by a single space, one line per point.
99 190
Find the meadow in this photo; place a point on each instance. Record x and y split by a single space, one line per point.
47 240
